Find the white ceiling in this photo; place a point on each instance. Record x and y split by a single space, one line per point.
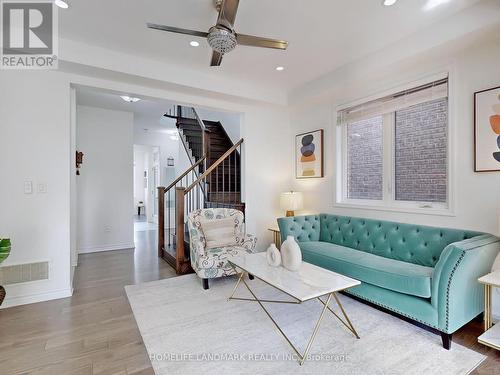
323 34
148 112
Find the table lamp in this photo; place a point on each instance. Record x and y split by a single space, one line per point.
291 201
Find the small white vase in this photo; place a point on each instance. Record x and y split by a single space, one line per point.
291 256
273 256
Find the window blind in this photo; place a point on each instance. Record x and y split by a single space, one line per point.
394 102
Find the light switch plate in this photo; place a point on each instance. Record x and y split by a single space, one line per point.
42 188
28 187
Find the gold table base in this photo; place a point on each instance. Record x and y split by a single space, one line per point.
302 356
488 319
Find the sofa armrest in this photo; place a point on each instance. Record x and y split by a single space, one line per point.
456 293
248 241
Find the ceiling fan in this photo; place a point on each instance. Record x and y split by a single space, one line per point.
222 37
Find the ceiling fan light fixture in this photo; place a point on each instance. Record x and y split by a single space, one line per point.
61 4
221 40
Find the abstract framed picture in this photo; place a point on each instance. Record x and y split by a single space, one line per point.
487 130
309 154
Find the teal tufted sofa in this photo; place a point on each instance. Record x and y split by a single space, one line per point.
427 274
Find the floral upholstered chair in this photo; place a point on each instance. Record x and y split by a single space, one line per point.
212 263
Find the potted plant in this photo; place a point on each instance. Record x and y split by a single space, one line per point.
4 253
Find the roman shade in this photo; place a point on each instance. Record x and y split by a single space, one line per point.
403 99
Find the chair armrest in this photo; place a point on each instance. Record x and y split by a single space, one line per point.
456 293
196 242
248 241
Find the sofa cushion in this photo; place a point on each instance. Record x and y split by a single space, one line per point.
384 272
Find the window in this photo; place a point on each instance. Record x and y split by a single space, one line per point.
365 159
394 150
421 152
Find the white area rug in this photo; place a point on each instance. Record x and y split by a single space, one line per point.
188 330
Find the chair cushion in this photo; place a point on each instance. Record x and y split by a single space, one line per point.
384 272
219 232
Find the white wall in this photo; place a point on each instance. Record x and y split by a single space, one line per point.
477 195
35 118
35 137
105 186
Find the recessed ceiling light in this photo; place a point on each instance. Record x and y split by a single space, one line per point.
280 68
388 3
431 4
61 4
129 99
194 43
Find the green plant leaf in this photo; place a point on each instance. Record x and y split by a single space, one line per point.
4 249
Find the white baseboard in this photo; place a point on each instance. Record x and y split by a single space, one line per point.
97 249
34 298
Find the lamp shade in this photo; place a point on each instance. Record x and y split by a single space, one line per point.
498 222
291 200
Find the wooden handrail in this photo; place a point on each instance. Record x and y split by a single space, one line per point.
185 173
200 121
213 166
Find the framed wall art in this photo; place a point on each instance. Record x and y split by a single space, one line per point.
487 130
309 154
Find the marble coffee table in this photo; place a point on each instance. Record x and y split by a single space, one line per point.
309 282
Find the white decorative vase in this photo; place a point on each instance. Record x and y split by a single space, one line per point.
291 256
273 256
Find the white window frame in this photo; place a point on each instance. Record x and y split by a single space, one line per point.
389 202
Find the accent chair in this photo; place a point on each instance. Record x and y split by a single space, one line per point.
210 263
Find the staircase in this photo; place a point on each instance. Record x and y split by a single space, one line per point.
213 180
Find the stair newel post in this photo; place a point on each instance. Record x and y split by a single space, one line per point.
235 176
161 220
169 242
206 148
228 200
179 224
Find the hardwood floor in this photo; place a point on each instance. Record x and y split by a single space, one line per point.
467 336
94 332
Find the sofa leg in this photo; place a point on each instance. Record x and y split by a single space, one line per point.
250 276
204 283
446 338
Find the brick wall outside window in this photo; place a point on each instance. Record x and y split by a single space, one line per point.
420 152
365 159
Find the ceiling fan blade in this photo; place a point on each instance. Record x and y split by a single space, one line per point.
256 41
227 13
177 30
216 58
